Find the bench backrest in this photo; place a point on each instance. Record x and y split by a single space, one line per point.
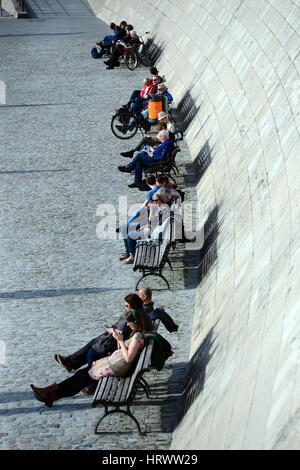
153 253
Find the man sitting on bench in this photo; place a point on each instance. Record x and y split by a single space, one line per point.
144 160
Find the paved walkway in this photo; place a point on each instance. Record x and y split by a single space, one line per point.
59 283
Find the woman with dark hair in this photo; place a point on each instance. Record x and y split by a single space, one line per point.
117 364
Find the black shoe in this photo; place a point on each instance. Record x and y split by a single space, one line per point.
124 169
128 154
106 62
134 185
144 187
110 67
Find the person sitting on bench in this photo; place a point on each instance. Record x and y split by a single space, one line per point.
159 211
144 160
152 141
164 119
117 364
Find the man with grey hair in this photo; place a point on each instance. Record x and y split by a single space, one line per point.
144 160
145 293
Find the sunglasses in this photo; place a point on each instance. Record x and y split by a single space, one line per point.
155 200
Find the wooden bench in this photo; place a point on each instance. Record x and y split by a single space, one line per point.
117 392
151 256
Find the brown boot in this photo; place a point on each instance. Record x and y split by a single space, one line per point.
63 361
47 395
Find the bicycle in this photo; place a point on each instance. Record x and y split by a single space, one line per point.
120 123
137 55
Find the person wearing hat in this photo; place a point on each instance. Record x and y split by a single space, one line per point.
163 117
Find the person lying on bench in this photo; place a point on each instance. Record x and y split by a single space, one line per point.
117 364
144 160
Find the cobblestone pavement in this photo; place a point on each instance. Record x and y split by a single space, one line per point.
59 283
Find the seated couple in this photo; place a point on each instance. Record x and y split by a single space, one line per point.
121 348
111 353
145 159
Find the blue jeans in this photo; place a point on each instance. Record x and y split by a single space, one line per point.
142 160
92 356
107 41
138 105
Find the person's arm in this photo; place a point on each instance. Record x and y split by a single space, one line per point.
128 353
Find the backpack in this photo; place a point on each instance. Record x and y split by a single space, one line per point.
94 53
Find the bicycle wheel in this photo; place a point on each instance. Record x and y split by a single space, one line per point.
131 59
120 125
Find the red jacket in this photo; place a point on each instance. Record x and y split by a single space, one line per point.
151 89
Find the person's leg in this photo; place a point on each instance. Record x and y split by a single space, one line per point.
145 141
79 358
142 160
135 108
92 356
132 237
74 384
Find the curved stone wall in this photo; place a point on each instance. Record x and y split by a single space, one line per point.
233 67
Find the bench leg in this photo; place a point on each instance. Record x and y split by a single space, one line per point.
145 386
153 274
169 263
118 410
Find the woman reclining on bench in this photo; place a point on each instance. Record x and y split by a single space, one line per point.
117 364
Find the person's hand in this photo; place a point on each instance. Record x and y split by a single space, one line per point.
117 334
110 330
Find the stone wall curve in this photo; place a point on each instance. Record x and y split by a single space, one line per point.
233 65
